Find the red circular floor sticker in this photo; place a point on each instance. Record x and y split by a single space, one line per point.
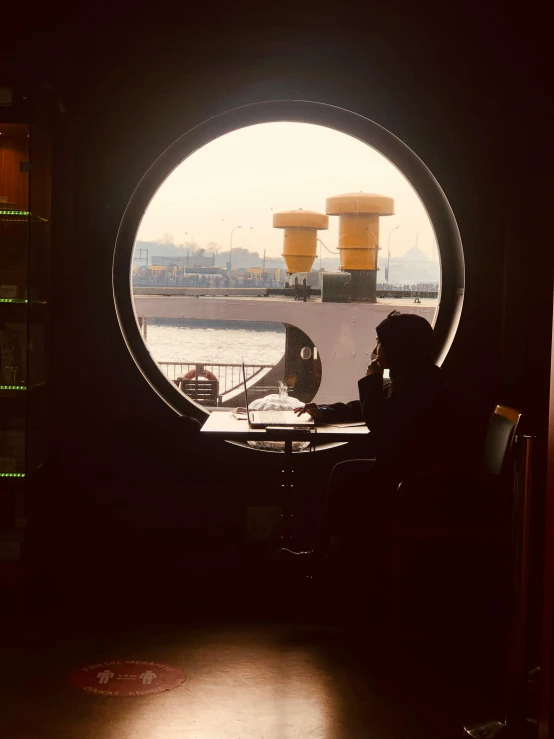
127 677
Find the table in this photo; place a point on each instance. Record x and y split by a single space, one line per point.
224 425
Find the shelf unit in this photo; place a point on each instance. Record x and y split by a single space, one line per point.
25 194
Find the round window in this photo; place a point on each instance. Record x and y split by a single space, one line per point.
278 246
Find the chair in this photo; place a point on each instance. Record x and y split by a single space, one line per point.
451 528
205 392
499 439
440 479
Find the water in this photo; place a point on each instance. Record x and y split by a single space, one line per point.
218 342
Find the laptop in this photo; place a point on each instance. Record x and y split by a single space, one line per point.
263 419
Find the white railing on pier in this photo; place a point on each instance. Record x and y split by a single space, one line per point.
228 375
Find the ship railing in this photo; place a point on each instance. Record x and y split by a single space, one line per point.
229 375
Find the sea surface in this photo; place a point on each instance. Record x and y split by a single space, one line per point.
218 342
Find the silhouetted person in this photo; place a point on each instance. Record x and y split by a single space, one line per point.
413 422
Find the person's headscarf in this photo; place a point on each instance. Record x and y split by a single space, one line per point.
408 341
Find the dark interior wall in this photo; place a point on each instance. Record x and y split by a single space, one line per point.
456 94
459 112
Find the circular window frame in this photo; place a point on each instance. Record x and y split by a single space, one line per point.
438 208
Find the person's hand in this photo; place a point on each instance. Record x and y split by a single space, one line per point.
374 368
312 409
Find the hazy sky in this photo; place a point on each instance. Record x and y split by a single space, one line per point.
242 178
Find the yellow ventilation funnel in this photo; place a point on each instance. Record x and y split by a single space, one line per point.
359 214
300 240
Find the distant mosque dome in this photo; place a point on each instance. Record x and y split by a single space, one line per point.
415 255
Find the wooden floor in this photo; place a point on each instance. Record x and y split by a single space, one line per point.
244 680
260 661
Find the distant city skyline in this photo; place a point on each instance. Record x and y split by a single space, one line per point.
236 182
168 248
410 267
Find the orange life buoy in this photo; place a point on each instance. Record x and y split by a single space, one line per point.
205 373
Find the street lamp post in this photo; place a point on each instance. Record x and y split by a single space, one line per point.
231 247
388 252
192 239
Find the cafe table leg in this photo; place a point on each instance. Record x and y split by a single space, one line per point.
288 492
